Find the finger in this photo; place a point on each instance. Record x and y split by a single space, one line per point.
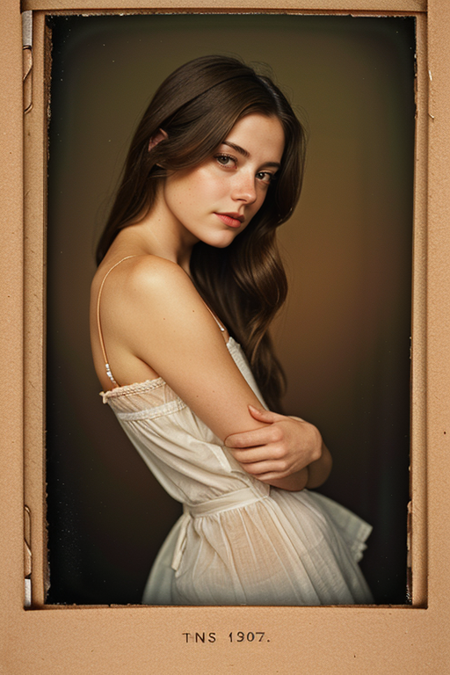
249 439
271 477
269 468
250 455
263 415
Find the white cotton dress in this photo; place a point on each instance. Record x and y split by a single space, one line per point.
239 541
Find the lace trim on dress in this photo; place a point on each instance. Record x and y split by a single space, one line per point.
136 388
137 401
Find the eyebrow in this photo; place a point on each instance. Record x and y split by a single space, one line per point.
245 153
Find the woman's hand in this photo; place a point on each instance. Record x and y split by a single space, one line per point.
287 452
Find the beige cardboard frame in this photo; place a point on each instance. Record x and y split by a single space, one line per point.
376 640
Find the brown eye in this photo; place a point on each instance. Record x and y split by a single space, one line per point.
265 176
226 160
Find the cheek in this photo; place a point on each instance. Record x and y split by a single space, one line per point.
179 194
193 192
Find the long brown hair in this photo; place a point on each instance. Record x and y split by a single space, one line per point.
244 283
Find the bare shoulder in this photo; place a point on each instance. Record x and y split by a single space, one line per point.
150 273
142 279
148 305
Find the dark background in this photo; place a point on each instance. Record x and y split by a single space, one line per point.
343 337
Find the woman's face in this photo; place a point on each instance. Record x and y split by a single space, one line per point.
215 201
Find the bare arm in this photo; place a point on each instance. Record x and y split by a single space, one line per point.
152 313
155 313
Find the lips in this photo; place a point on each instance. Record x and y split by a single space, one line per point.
231 219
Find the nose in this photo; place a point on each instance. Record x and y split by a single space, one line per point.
244 189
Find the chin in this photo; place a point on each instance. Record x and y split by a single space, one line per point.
224 245
223 240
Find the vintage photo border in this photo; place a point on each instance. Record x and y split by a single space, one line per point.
136 639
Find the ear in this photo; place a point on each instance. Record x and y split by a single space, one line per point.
156 138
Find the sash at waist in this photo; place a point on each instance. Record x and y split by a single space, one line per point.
231 500
227 502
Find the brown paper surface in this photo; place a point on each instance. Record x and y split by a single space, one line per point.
263 5
375 640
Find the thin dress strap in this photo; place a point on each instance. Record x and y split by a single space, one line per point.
222 328
99 326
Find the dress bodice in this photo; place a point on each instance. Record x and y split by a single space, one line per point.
186 457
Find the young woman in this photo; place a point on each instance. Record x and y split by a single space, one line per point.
189 279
